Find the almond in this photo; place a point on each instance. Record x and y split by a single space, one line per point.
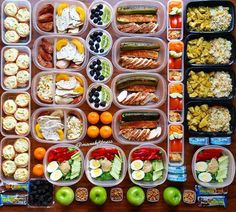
47 46
48 8
47 26
47 57
44 63
47 17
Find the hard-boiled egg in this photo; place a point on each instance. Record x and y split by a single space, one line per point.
138 175
201 166
94 164
96 173
52 166
205 177
56 175
136 165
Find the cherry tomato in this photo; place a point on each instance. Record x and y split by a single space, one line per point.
176 145
171 63
178 63
174 104
179 21
180 106
173 21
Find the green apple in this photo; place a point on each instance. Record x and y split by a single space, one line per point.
172 196
135 196
98 195
65 195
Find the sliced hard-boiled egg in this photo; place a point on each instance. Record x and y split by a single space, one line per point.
205 177
155 133
136 165
96 173
53 166
56 175
94 164
138 175
201 166
122 96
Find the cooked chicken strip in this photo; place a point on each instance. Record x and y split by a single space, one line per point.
140 98
138 28
150 54
139 124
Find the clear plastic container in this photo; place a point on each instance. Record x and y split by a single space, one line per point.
161 15
35 84
53 39
161 56
10 140
161 90
12 95
122 140
231 168
63 182
47 110
22 49
165 163
107 183
55 3
18 3
182 144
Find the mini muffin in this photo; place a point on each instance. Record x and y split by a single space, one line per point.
23 61
10 55
8 167
9 123
21 174
11 36
8 152
23 15
21 160
23 29
21 145
10 9
10 82
22 128
10 69
22 100
21 114
9 107
22 78
10 23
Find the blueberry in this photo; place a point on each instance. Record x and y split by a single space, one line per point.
101 50
96 94
91 72
94 63
91 42
103 104
96 50
95 20
99 23
100 6
98 39
98 62
98 74
99 18
96 105
93 90
90 94
96 77
100 13
91 36
91 48
97 46
99 68
91 66
99 88
95 34
93 11
97 9
101 77
92 16
97 100
100 33
97 13
91 100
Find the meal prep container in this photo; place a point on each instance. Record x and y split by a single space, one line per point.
106 183
231 168
210 3
122 140
165 163
208 70
161 91
19 3
53 39
63 182
12 95
55 3
161 15
10 140
66 111
161 56
22 49
209 36
211 134
54 73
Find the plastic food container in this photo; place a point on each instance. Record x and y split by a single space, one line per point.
122 140
81 191
105 183
35 82
18 3
22 49
231 168
39 5
63 182
161 91
161 15
12 95
116 194
208 70
53 39
165 171
75 111
161 57
6 141
210 4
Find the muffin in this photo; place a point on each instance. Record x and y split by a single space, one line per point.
23 15
9 123
8 152
22 114
11 36
21 174
10 23
10 55
10 82
22 78
22 100
9 107
8 167
21 145
21 160
23 30
23 61
10 69
10 9
22 128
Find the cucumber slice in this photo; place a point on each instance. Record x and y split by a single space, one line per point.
137 116
138 46
106 16
157 175
136 10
